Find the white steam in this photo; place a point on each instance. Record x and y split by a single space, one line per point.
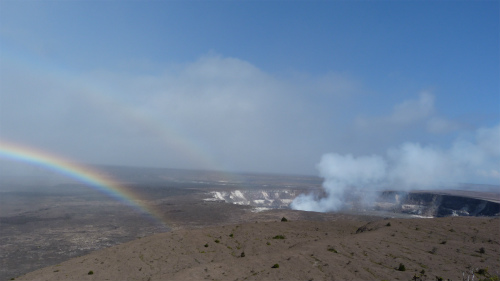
410 166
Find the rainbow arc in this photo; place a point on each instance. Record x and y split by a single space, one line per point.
92 178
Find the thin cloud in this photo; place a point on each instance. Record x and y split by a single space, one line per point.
238 116
213 113
413 119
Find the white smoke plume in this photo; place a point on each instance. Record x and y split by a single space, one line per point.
410 166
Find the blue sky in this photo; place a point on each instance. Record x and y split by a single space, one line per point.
247 86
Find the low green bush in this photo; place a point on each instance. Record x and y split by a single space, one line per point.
332 250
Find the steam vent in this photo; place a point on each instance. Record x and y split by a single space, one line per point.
414 204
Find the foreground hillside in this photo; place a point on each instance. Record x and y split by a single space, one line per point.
339 248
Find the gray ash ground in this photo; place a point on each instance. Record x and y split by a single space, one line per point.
45 222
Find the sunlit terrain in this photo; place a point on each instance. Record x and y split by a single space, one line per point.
47 223
249 140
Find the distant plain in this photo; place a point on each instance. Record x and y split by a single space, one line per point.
46 224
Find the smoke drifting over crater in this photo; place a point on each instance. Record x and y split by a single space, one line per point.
411 166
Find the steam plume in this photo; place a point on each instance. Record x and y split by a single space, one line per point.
409 166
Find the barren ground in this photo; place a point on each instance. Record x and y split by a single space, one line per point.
330 247
66 231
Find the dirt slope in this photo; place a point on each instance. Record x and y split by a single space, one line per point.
336 249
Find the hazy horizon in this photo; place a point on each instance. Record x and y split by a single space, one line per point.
399 88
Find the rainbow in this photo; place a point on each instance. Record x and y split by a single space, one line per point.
93 178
